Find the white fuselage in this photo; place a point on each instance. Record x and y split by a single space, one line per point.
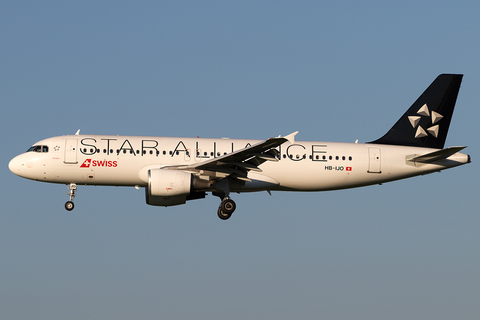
302 166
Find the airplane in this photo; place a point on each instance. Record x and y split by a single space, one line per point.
176 170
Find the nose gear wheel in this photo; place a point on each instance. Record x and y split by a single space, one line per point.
72 188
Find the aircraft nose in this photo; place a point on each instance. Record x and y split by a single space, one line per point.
14 165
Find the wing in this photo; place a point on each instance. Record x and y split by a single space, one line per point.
238 163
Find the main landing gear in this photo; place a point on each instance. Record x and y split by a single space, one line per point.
72 188
227 207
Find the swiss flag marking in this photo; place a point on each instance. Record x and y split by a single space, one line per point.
86 163
348 168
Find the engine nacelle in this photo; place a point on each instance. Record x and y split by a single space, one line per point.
169 183
165 201
172 187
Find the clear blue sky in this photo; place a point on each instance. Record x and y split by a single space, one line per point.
245 69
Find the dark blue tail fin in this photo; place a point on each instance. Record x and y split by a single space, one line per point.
426 123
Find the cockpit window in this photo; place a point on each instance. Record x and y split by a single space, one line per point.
38 149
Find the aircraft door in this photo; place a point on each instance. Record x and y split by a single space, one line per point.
374 163
70 151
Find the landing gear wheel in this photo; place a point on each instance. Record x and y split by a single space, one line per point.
222 215
69 205
72 188
228 206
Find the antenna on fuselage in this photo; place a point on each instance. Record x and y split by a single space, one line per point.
78 132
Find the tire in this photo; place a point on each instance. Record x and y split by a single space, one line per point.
228 206
222 215
69 205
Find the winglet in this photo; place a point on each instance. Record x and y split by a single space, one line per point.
78 132
291 137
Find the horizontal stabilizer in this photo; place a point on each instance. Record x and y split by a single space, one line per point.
436 155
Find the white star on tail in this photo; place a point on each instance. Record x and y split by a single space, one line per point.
433 130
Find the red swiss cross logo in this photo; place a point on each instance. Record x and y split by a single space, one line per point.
86 163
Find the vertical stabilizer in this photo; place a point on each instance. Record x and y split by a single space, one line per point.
427 121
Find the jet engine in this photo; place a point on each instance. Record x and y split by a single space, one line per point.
173 187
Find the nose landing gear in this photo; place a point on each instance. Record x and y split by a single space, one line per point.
72 189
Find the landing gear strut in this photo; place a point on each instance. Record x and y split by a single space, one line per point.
227 207
72 189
